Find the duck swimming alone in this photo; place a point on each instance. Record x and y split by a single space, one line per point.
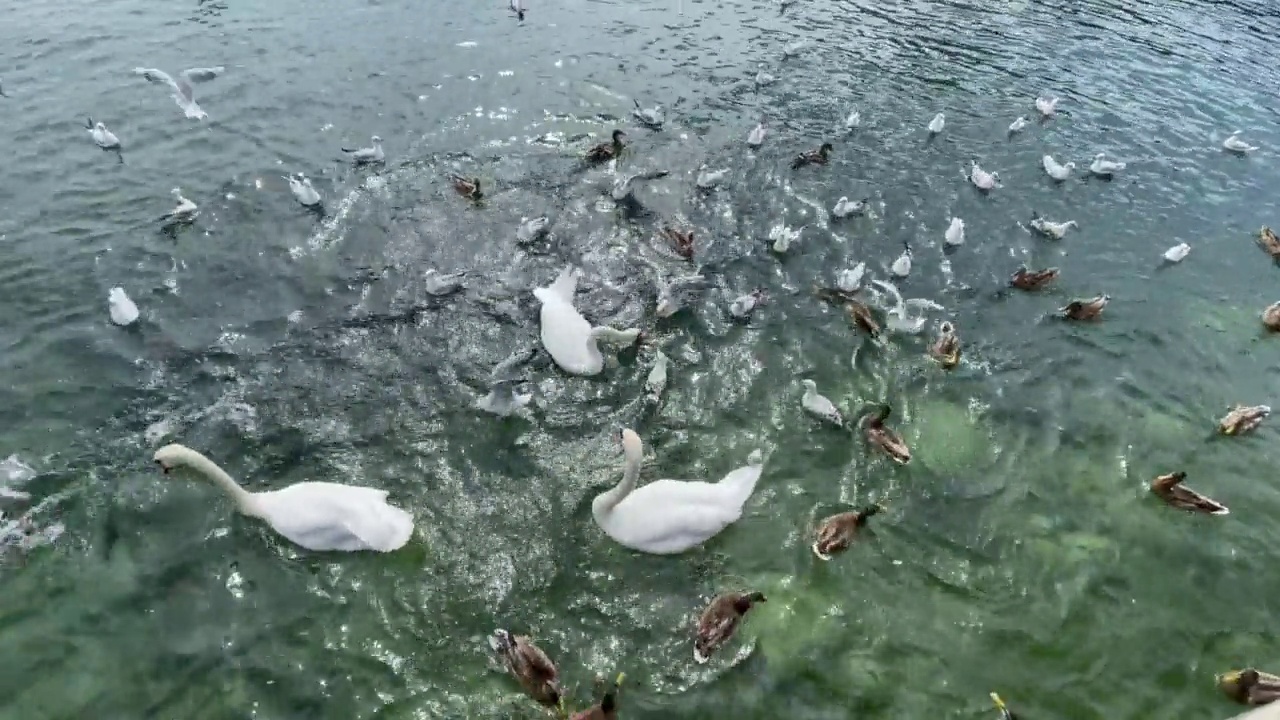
527 663
1170 489
607 708
720 620
1250 686
882 437
946 348
1090 309
1024 279
1269 243
1243 419
1271 317
813 157
607 150
680 240
468 188
837 533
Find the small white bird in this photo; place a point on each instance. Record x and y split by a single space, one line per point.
1051 229
656 383
1056 170
763 78
650 117
532 228
1103 167
623 186
708 179
845 207
982 179
104 138
756 137
1236 145
793 49
955 232
673 295
782 237
183 93
1019 124
937 123
1046 105
743 305
302 190
850 279
852 120
440 284
820 406
185 211
373 154
503 400
1177 253
121 308
902 266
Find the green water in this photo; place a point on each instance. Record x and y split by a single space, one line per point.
1020 551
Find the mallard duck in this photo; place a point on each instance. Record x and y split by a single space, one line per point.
1090 309
1005 712
1271 316
1250 686
681 241
1269 242
882 437
1242 419
467 187
607 708
608 150
837 533
946 348
834 295
863 317
813 157
1170 489
1025 279
528 664
720 621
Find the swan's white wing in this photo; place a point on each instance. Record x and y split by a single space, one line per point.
671 516
329 516
566 335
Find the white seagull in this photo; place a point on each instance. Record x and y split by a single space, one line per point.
819 405
1018 125
302 190
1236 145
938 122
184 212
367 155
104 138
1046 105
982 179
183 94
955 232
1103 167
1056 170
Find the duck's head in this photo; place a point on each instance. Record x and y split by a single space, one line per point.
745 602
617 137
1236 683
826 148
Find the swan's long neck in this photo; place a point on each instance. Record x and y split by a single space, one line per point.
607 501
245 500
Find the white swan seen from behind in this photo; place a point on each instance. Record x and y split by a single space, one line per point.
567 336
670 516
315 515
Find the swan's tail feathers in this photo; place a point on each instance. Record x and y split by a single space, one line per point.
742 482
397 528
566 284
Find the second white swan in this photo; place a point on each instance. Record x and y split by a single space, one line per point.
567 336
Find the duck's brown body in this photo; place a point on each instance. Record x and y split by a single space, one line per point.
882 437
1170 489
813 157
1243 419
467 187
1250 686
680 240
837 533
607 151
1024 279
1269 243
720 620
529 665
946 348
1090 309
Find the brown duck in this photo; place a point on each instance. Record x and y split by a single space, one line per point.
720 621
467 187
681 240
1170 489
608 150
528 664
1269 242
884 438
1242 419
837 533
1025 279
1271 317
1090 309
607 708
1250 687
946 348
859 312
813 157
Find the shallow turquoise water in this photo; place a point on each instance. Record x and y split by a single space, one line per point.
1020 552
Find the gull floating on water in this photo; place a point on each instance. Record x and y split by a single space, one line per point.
1049 228
120 307
440 284
367 155
104 138
982 179
845 207
755 138
1046 105
183 93
1056 170
902 266
532 228
1103 167
623 186
819 405
853 120
763 78
782 237
955 232
651 117
898 320
938 122
1177 253
302 190
850 279
673 295
708 179
185 211
503 400
743 305
1018 125
1236 145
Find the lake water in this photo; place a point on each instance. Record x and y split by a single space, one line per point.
1020 551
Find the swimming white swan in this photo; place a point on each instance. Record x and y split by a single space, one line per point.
183 93
1048 228
315 515
566 335
120 307
670 516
